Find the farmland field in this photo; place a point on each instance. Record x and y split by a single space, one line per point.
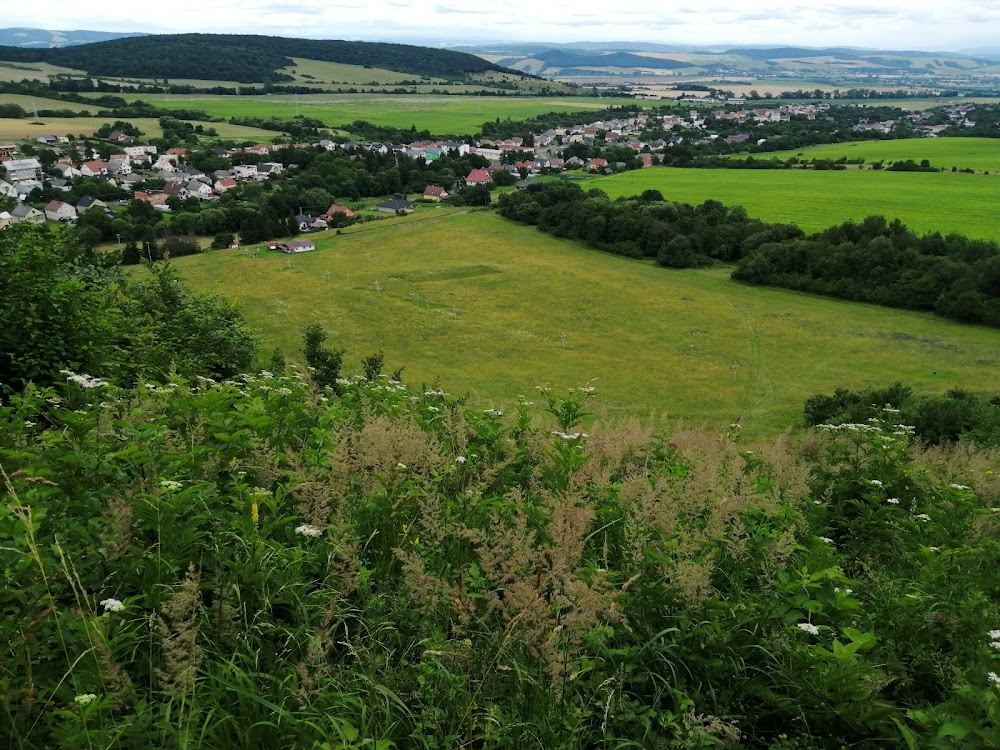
981 154
12 129
493 309
815 200
456 115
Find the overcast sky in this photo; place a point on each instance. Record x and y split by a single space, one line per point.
888 24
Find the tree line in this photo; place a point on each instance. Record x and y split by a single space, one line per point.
875 260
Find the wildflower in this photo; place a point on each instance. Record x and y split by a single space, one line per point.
85 700
808 627
826 539
587 389
892 501
994 678
85 381
923 517
996 645
875 482
845 592
460 460
112 605
493 412
401 467
959 487
994 635
29 423
308 530
169 485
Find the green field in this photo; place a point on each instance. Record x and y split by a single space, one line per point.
965 203
25 129
457 115
493 309
981 154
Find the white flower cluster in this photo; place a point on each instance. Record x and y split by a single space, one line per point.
892 501
85 700
994 678
84 381
307 529
845 592
460 460
959 487
826 539
808 627
437 392
875 482
170 485
112 605
923 517
570 435
493 412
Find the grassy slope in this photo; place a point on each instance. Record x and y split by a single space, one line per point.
815 200
459 115
24 129
971 153
481 303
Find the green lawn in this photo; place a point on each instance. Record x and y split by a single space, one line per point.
458 115
965 153
815 200
493 309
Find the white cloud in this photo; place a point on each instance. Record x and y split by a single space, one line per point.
891 24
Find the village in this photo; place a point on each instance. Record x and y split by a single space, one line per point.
145 174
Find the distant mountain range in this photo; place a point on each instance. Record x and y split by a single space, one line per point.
47 39
630 58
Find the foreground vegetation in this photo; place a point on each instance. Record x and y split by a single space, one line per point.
257 563
496 309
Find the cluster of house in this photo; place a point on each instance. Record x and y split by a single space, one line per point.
135 164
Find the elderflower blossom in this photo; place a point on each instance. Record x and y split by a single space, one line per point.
85 700
875 482
493 412
994 635
84 381
892 501
570 435
923 517
808 627
170 485
995 644
994 678
826 539
308 529
112 605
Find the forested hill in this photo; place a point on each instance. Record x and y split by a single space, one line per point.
246 59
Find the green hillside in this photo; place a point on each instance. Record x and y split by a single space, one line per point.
493 309
982 154
246 59
815 200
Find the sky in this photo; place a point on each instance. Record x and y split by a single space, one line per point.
885 24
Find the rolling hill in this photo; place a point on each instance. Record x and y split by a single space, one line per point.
580 59
46 38
247 59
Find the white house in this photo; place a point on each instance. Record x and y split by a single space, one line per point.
245 171
93 168
59 211
133 151
23 169
27 213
